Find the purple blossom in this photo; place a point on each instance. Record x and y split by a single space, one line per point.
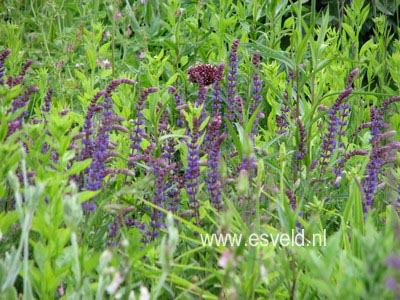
337 124
329 142
232 81
17 103
201 99
87 141
239 105
97 168
95 139
394 262
388 102
376 124
377 159
205 74
178 105
301 151
160 169
397 205
138 132
216 93
47 100
256 92
214 141
3 57
115 83
379 156
193 169
351 77
338 169
282 120
293 205
391 284
24 69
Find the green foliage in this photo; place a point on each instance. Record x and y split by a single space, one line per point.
51 249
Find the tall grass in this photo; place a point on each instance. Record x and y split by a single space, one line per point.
130 131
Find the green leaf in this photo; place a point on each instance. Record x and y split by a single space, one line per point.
13 92
349 30
280 56
104 48
79 166
87 195
6 220
91 55
235 138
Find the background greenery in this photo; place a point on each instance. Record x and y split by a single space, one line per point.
51 249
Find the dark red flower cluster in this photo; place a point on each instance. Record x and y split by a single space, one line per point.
205 74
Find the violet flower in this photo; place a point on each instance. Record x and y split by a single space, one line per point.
138 132
397 204
293 205
379 156
393 263
179 105
160 169
193 169
216 93
97 168
115 83
87 140
388 102
17 103
301 151
239 106
338 169
215 140
351 77
329 142
282 120
232 81
256 93
21 77
3 57
47 100
205 74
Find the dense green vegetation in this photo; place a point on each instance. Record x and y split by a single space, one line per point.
131 131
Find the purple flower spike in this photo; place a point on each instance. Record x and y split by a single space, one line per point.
301 152
21 77
350 79
138 132
216 93
179 105
335 127
256 93
160 169
232 80
87 126
388 102
378 157
115 83
47 100
213 147
394 262
3 57
397 204
282 120
193 169
338 170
